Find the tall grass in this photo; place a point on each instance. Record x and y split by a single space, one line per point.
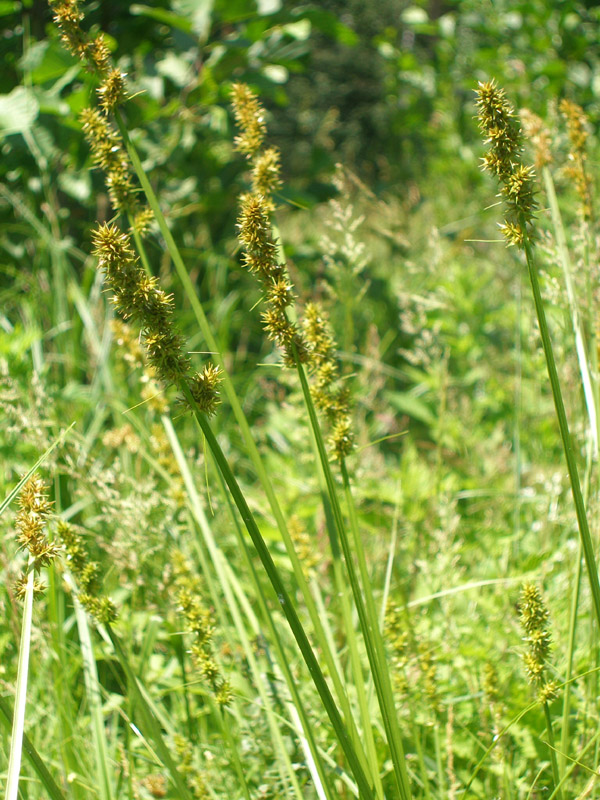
237 655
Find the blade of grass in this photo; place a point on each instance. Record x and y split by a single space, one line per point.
582 521
148 722
565 259
368 622
284 600
304 729
18 724
230 586
232 397
48 782
90 676
63 667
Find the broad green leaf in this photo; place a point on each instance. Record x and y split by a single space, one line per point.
18 111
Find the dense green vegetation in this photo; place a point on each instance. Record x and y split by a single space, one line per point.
279 438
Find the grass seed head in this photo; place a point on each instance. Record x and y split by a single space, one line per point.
502 134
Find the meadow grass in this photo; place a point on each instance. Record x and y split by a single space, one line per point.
307 581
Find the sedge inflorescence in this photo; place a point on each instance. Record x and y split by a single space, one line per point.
499 125
105 142
329 393
200 625
92 50
311 343
109 155
261 254
577 122
533 616
136 295
87 573
31 526
139 297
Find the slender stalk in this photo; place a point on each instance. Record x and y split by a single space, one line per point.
233 400
225 583
18 725
48 782
343 592
575 595
92 686
561 240
237 764
564 740
150 725
553 761
368 622
582 521
285 601
62 674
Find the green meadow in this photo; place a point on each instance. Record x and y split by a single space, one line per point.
299 400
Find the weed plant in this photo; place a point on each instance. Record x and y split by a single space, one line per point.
333 568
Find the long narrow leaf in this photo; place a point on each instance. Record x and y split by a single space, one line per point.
18 726
36 761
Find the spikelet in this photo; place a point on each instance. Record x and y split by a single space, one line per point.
255 233
31 523
577 123
328 392
498 123
200 624
533 616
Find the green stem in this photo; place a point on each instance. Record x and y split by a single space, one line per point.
285 601
227 586
233 749
582 356
369 626
18 726
48 782
553 761
584 530
233 399
564 740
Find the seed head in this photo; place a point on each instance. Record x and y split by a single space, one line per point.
266 174
204 389
533 616
503 135
535 130
250 117
327 390
112 92
255 232
139 297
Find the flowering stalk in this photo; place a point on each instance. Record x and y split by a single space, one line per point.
32 517
261 254
260 250
105 142
533 616
139 297
125 277
576 129
497 122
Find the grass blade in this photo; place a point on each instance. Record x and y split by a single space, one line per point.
48 782
18 725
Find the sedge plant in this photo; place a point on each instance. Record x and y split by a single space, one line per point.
137 296
498 123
